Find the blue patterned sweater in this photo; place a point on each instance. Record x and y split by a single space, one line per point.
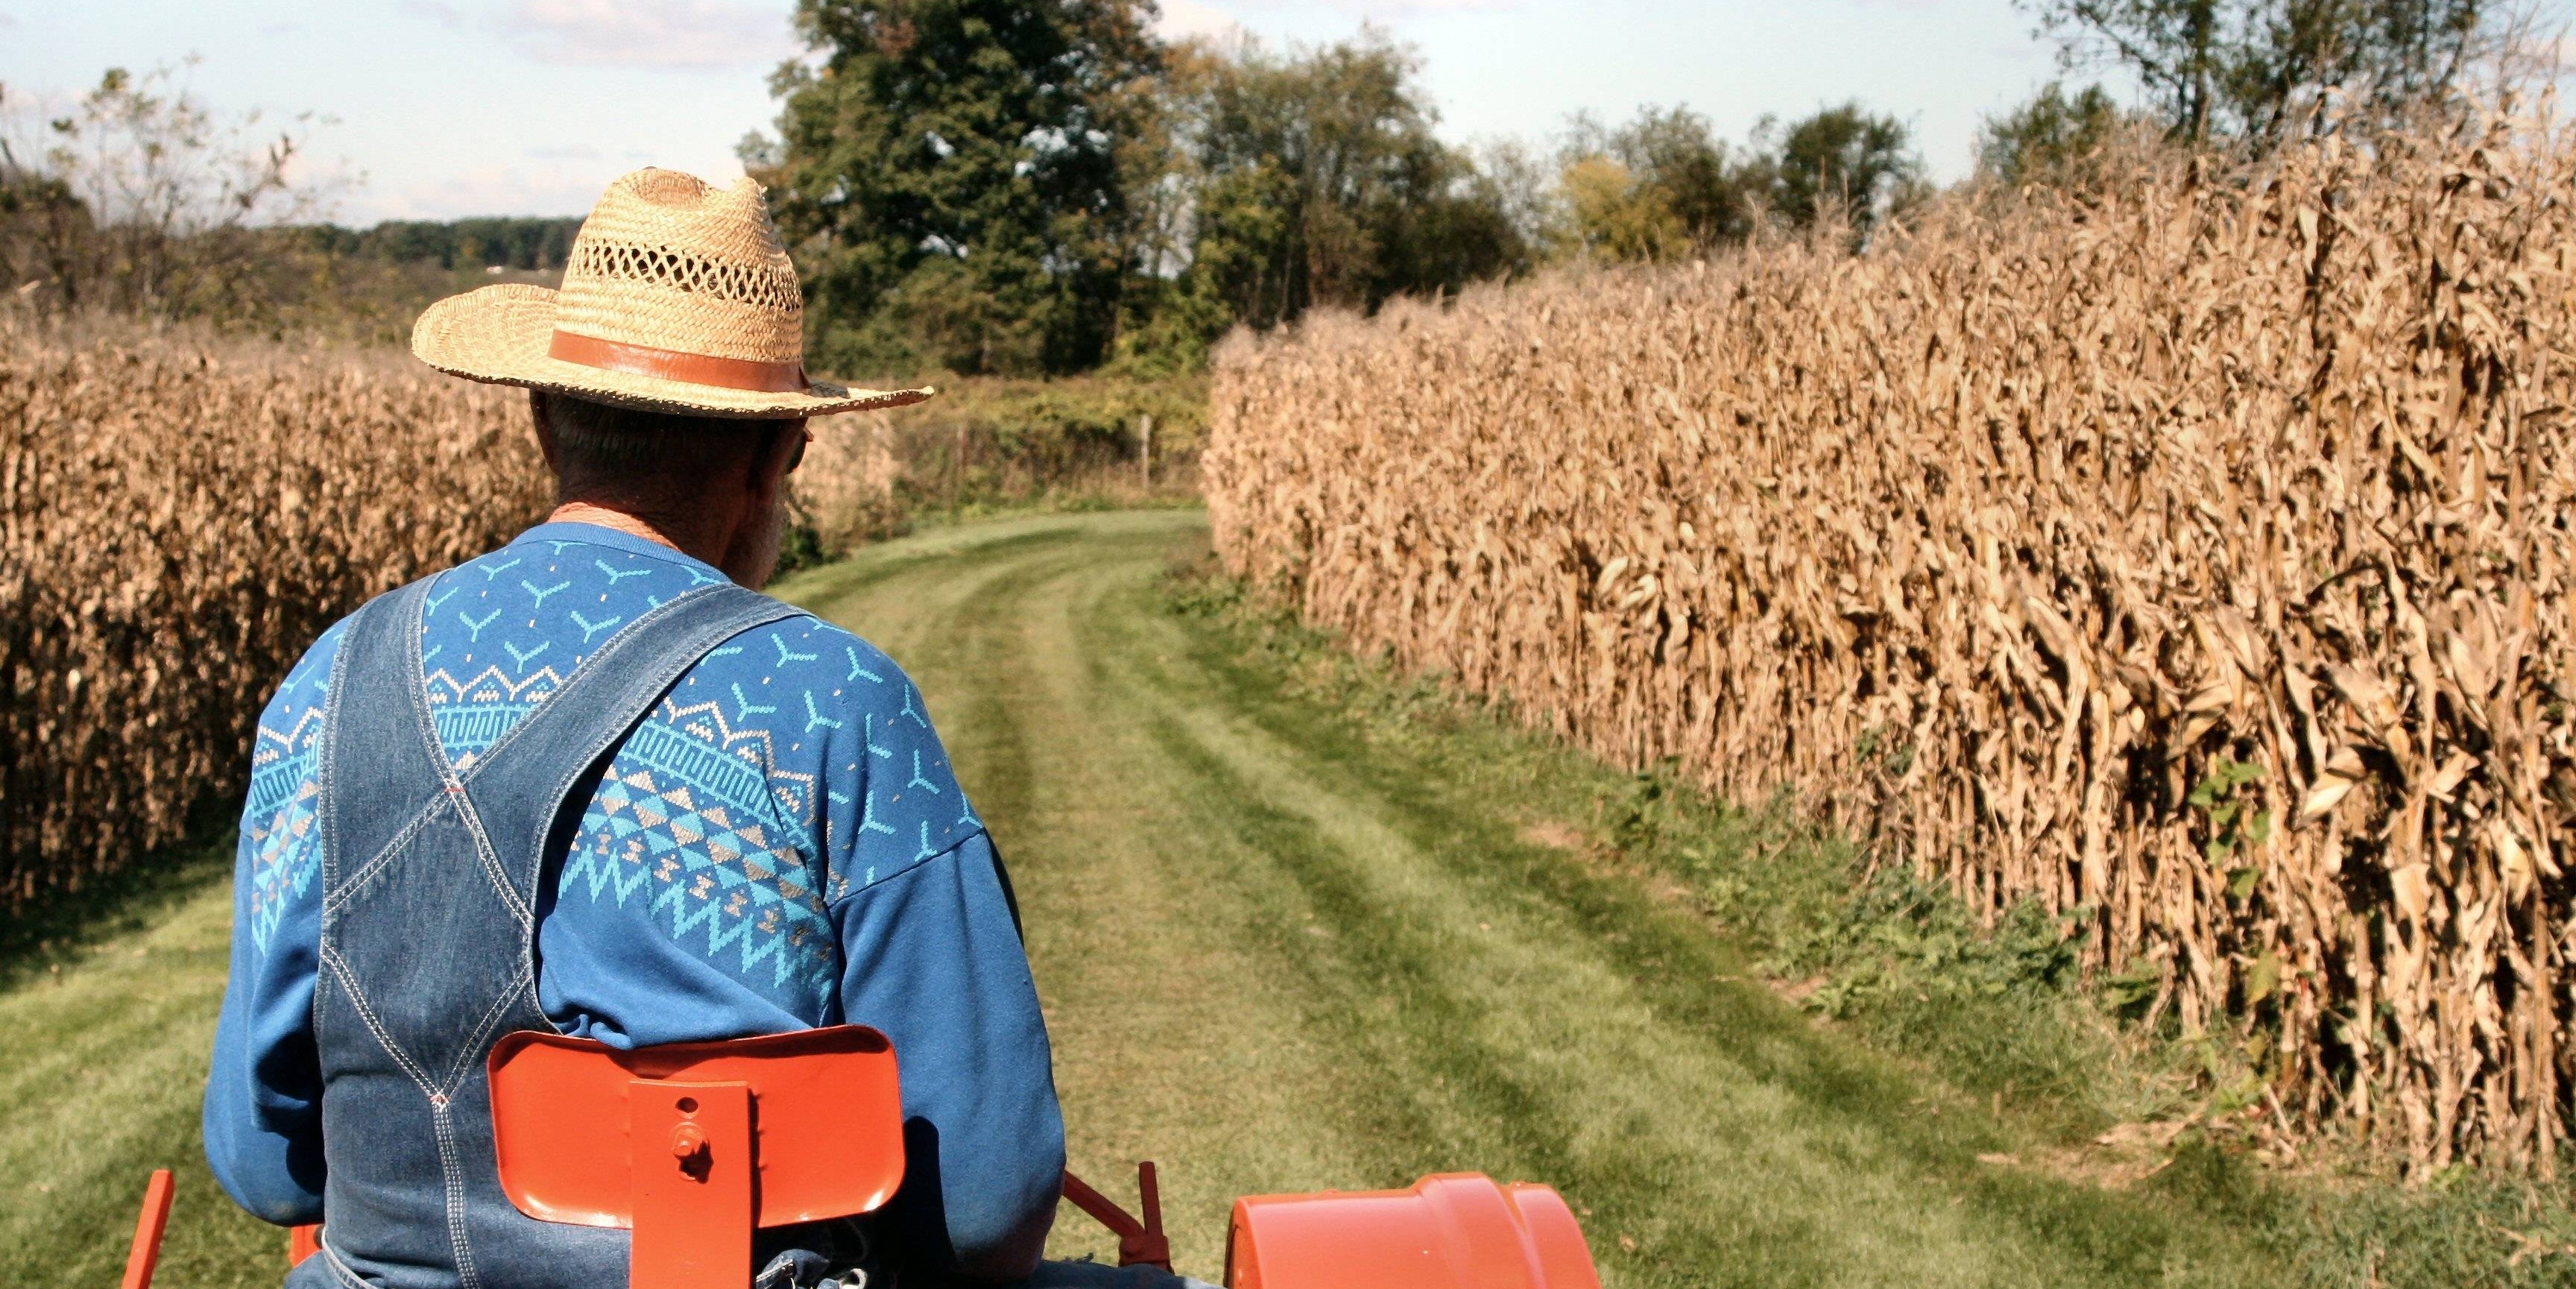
780 845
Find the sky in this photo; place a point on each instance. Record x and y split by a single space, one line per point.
437 109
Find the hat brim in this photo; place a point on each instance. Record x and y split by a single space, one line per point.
500 334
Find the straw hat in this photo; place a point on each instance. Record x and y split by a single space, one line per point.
676 297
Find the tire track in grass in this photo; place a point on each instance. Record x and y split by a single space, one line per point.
1462 1079
1276 952
1279 958
1832 1160
1170 1044
1828 1100
1500 1043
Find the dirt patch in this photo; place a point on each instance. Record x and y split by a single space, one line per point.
1554 835
1797 991
2115 1160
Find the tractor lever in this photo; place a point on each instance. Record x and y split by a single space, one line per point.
145 1255
1139 1243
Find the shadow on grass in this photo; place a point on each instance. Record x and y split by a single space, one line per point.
56 930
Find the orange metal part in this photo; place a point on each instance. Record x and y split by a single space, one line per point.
825 1118
1139 1243
146 1253
694 1144
691 1170
1450 1231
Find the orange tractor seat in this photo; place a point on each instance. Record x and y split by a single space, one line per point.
714 1140
693 1146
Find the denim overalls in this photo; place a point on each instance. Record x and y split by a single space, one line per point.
430 876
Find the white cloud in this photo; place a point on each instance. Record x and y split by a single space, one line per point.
494 190
445 15
1186 18
649 33
1199 18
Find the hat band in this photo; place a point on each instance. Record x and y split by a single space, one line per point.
671 364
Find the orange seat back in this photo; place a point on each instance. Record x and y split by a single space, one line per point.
694 1144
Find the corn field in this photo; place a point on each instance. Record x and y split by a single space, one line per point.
844 490
2191 555
178 524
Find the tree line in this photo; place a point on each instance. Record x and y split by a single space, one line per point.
1039 187
1015 187
534 244
1004 187
137 198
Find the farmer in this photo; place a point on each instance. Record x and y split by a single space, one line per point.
586 783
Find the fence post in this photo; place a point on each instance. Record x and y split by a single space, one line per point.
1145 449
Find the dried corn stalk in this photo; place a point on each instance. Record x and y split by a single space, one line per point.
176 525
2196 558
845 487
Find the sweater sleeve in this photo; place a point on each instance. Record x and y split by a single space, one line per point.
934 961
931 955
263 1107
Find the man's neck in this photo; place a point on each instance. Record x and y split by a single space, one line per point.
583 512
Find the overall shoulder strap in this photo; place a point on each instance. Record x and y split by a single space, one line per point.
378 746
518 788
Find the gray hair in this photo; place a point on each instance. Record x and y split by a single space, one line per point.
602 449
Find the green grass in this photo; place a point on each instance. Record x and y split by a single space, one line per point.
1300 925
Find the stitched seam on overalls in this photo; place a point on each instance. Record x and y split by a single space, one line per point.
417 686
327 813
337 898
491 1019
453 1178
335 893
340 1269
488 860
755 614
618 644
753 618
452 786
367 1017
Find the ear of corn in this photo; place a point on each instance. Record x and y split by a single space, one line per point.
2193 557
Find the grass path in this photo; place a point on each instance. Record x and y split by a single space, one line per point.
1277 954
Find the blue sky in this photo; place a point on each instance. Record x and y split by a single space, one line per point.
446 108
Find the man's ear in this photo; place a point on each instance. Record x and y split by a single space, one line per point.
780 440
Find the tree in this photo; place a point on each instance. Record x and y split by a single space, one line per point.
948 174
1317 180
2052 138
142 199
1616 215
1679 170
2237 70
1844 160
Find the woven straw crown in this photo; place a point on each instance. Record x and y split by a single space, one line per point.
677 296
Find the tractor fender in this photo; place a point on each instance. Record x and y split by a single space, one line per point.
1449 1231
